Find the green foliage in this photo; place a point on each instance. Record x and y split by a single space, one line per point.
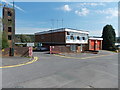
24 38
109 38
0 40
4 41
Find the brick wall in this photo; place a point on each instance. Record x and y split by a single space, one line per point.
60 49
18 51
56 37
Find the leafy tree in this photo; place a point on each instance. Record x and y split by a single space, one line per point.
109 38
4 41
0 33
25 38
0 40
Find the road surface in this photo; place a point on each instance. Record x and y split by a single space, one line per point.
51 71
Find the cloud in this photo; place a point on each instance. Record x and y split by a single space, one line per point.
12 5
65 8
92 4
111 12
82 12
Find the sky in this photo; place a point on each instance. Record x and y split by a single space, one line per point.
32 17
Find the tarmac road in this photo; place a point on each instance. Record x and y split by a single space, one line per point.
51 71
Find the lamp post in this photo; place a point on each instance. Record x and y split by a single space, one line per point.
13 31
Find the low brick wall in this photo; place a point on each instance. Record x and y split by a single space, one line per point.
6 52
67 49
21 51
18 51
60 49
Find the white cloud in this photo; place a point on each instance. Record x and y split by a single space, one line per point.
65 8
92 4
111 12
82 12
12 5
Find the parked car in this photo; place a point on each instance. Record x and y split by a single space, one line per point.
42 48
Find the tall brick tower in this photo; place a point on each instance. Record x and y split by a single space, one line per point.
9 26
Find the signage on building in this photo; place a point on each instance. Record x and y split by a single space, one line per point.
30 44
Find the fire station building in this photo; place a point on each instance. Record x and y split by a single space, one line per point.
64 40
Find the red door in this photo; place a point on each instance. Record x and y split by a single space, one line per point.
92 45
98 45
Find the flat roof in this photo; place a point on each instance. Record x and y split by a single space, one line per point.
95 38
63 29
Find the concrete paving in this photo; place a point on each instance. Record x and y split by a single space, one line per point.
57 72
8 61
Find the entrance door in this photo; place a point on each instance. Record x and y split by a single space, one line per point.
98 45
73 47
92 45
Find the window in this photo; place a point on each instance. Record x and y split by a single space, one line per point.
78 38
68 37
75 37
9 13
9 20
68 33
9 37
83 38
71 37
9 29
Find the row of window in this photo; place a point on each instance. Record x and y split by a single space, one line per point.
75 33
76 38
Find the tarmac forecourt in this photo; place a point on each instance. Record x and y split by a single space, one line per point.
82 58
18 65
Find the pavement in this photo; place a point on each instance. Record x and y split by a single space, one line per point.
101 52
9 61
51 71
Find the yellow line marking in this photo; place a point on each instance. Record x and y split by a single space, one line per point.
82 58
34 60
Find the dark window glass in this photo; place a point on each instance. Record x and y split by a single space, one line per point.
83 38
9 20
9 13
78 38
71 37
68 33
9 37
9 29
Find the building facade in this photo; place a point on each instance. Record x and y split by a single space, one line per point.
95 43
67 37
9 24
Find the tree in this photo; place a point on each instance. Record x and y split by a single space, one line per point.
4 41
0 33
109 38
0 40
25 38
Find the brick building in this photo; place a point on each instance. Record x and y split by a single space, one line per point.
9 24
95 43
74 40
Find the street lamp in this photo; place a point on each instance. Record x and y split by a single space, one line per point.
13 31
